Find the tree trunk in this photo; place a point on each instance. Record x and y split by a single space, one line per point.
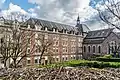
5 64
15 65
41 57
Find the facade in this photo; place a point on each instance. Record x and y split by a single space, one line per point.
100 42
66 40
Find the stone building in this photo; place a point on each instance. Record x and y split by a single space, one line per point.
100 42
66 39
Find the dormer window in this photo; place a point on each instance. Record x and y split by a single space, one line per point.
38 27
45 28
63 31
70 32
28 26
53 29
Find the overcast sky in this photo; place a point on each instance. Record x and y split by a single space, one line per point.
64 11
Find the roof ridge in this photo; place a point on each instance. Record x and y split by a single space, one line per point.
54 22
102 29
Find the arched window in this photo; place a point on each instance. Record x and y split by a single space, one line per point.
88 48
99 49
84 49
93 49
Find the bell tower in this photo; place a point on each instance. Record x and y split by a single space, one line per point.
78 20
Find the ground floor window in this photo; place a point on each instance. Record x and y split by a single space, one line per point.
28 61
36 60
93 49
66 58
57 59
84 49
88 48
99 49
46 61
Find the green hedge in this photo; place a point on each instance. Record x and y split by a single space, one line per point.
95 64
108 59
78 63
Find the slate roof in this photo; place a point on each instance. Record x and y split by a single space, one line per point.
50 25
97 36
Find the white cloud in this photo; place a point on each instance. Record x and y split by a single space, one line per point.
63 10
13 9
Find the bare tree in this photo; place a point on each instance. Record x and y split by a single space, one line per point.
17 16
43 46
14 45
18 50
110 12
5 47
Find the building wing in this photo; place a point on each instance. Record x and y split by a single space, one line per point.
97 36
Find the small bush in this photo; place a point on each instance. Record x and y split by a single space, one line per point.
94 64
78 63
108 59
107 56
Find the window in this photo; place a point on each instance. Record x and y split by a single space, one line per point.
53 30
66 49
53 49
36 61
56 42
45 28
88 48
56 50
57 59
74 57
28 50
63 58
93 49
66 58
84 49
28 61
99 49
28 40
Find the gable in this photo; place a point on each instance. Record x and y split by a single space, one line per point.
112 37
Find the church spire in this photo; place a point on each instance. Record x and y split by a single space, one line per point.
78 19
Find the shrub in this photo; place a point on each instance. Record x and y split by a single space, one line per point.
108 59
107 56
78 63
94 64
